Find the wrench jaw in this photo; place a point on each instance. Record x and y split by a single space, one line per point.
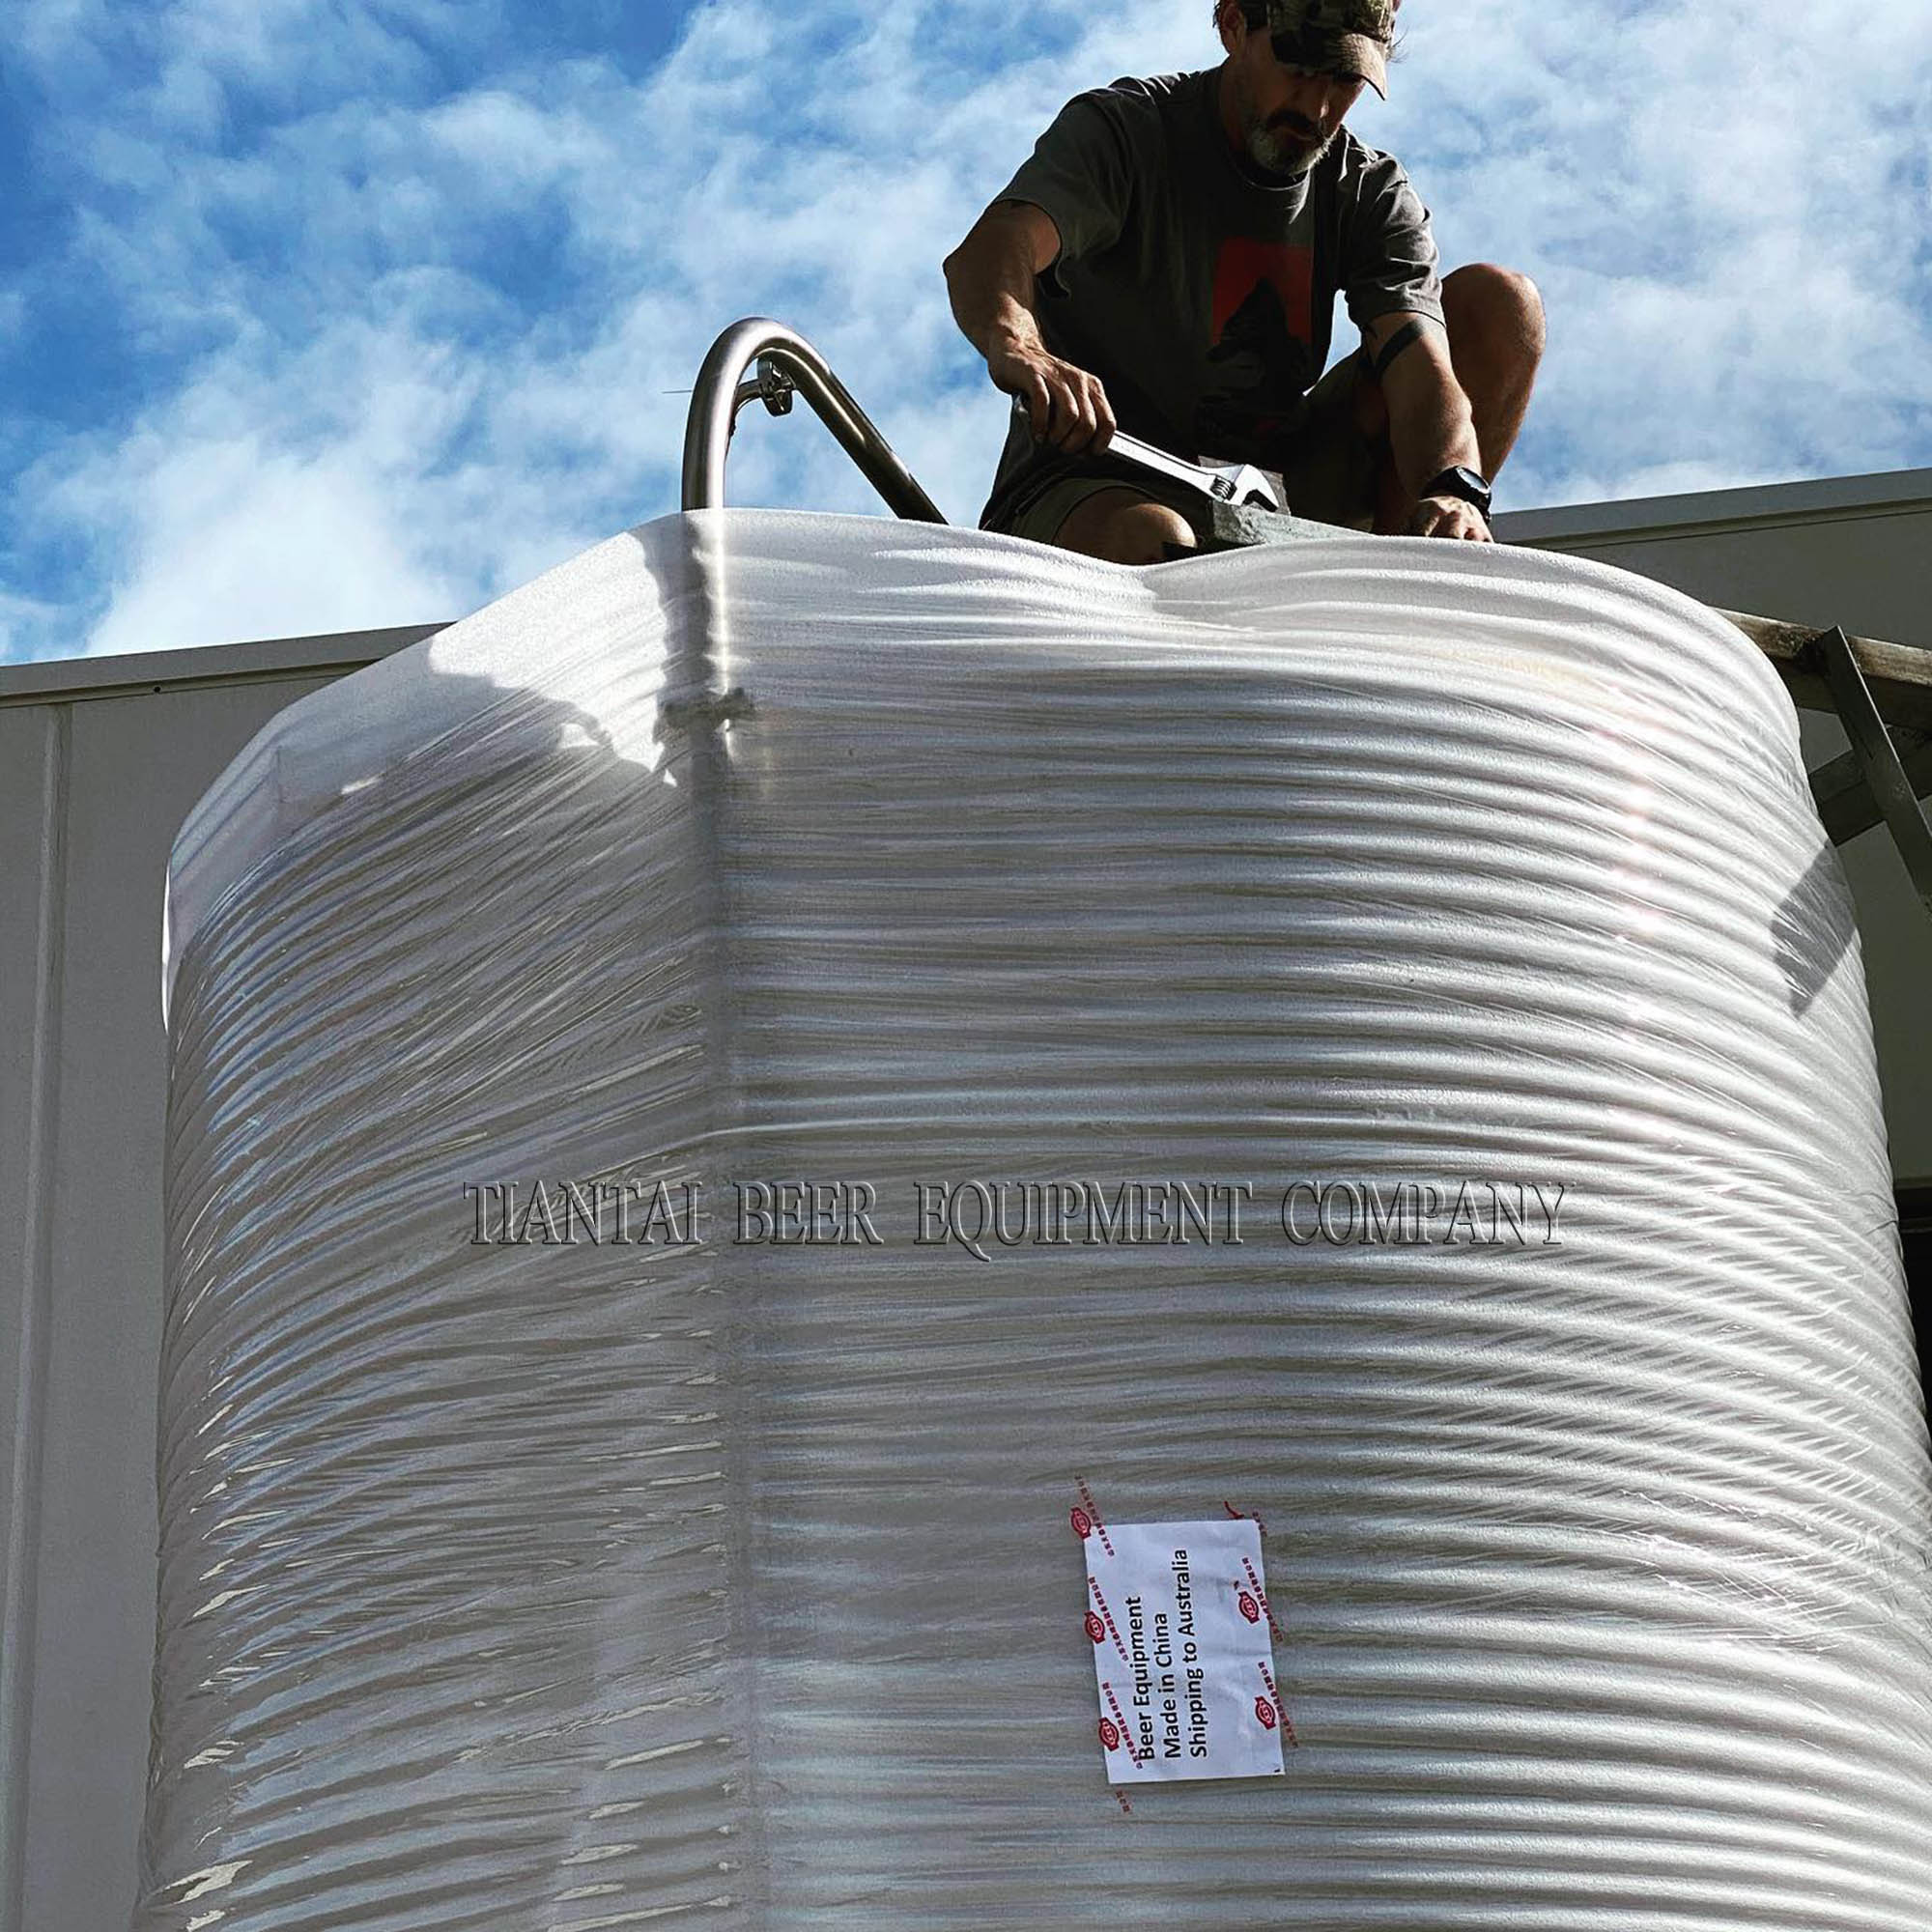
1248 488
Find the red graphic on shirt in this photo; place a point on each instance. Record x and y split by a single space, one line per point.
1262 353
1246 264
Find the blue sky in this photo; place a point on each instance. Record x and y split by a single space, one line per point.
320 314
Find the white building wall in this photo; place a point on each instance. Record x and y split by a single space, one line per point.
96 771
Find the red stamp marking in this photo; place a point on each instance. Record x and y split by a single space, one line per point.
1255 1584
1092 1512
1241 1515
1083 1523
1280 1709
1122 1797
1249 1609
1126 1736
1264 1711
1095 1629
1110 1736
1107 1616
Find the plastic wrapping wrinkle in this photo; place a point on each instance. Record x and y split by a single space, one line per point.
538 1583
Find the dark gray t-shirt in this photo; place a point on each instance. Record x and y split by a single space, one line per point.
1201 299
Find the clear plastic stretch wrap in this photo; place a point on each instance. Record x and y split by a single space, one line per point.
527 1571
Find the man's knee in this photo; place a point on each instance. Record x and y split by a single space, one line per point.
1123 526
1497 309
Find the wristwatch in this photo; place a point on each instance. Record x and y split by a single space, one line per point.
1459 480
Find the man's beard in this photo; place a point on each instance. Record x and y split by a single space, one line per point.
1282 153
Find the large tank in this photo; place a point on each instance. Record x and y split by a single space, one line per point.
1355 1055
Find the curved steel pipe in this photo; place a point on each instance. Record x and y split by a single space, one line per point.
716 399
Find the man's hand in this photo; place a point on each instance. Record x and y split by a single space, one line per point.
1066 406
1449 517
990 277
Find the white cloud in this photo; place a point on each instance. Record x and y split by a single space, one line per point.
29 621
1713 197
244 539
238 516
409 348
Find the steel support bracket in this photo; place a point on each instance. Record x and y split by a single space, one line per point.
1885 776
771 385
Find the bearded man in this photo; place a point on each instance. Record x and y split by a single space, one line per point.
1167 263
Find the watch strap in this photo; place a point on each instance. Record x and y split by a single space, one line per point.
1465 485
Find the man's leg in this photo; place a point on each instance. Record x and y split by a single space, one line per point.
1121 525
1495 342
1494 318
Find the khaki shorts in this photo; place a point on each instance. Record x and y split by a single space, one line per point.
1332 475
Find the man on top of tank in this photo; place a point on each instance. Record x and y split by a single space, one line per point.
1167 262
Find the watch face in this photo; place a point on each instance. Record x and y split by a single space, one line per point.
1465 482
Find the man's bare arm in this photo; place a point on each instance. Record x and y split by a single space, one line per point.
990 281
1431 429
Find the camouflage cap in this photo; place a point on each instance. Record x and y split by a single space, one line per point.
1351 36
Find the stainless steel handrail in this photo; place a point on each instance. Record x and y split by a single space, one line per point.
785 359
